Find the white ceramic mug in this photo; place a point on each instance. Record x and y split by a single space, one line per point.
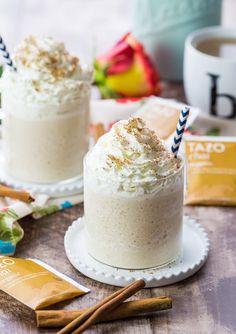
210 81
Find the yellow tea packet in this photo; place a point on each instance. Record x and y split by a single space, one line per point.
35 283
211 170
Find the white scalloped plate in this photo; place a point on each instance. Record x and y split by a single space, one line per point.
195 252
59 189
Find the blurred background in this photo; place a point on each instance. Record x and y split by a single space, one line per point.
87 27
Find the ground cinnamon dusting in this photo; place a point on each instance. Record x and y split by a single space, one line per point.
51 63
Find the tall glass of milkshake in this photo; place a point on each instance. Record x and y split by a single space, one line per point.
133 198
46 112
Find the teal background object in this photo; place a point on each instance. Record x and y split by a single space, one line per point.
163 25
7 248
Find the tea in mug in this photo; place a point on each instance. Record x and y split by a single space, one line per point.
223 47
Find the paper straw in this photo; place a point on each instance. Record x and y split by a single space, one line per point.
180 130
6 55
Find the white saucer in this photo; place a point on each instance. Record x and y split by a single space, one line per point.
195 252
58 189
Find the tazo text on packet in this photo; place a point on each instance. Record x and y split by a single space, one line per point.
36 284
211 170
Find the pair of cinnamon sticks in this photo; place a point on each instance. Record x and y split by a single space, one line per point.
23 196
93 314
111 308
131 309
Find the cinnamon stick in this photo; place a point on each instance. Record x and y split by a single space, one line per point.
96 312
60 318
23 196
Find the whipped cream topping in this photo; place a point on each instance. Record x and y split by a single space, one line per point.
46 73
131 158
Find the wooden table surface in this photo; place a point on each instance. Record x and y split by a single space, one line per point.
202 304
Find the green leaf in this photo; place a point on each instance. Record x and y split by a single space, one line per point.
99 75
107 92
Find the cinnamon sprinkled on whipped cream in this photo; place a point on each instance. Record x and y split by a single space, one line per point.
131 158
46 73
46 56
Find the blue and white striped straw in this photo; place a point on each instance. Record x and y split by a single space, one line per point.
6 55
180 130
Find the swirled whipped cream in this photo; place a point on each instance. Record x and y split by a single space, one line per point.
46 73
131 158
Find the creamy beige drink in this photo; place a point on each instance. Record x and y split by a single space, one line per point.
133 198
46 112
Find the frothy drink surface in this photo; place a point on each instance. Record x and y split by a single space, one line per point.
46 107
133 196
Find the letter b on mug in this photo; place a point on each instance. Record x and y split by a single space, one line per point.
214 95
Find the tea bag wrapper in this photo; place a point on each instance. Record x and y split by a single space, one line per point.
211 170
35 283
162 115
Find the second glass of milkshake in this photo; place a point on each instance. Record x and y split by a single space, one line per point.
133 198
46 112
